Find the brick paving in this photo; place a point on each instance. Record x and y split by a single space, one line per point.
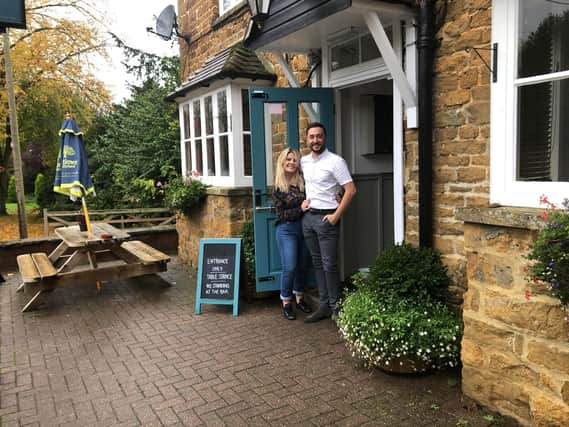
136 354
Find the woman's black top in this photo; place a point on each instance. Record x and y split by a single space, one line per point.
287 204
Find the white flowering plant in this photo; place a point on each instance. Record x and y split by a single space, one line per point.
398 329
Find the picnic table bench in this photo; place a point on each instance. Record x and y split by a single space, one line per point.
104 254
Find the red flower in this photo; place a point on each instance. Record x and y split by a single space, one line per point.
543 199
527 295
544 215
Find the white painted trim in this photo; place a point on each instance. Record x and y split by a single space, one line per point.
358 74
393 64
542 78
412 113
398 143
400 11
504 188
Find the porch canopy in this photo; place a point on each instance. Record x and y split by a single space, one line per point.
306 26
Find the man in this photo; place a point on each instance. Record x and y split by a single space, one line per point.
324 172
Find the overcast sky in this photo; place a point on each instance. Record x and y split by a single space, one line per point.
129 19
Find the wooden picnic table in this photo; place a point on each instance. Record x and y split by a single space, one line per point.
101 255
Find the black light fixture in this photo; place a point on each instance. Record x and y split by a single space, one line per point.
259 10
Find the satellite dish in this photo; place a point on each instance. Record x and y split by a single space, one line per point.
166 24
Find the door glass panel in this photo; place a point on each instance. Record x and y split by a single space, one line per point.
210 156
275 135
543 37
307 113
224 155
199 157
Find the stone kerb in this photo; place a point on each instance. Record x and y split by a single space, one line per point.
222 214
515 350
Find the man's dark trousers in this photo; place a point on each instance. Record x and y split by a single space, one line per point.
322 241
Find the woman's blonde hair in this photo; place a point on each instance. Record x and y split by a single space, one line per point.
281 183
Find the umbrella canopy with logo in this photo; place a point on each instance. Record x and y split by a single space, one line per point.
72 172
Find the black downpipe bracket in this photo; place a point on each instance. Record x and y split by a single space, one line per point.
425 49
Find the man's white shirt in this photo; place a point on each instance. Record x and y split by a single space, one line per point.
322 177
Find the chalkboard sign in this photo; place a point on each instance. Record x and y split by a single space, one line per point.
218 273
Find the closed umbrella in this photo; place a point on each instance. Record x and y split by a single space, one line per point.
72 172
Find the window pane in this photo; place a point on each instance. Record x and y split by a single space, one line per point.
543 132
188 157
245 108
222 111
224 155
197 119
210 157
345 55
369 48
543 37
199 156
247 164
208 115
186 114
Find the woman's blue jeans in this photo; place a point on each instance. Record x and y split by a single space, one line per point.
295 259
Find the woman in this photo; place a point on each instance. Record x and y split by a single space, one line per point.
288 195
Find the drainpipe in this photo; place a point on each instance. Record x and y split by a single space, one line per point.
425 49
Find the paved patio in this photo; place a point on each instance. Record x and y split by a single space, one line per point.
136 354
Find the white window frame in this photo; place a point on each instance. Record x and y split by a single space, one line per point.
504 188
235 133
233 4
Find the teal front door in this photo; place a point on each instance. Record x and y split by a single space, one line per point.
279 117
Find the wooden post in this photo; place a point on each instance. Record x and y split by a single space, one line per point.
45 223
16 154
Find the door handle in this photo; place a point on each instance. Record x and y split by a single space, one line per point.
265 209
258 201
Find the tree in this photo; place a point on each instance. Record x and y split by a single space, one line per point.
53 74
139 138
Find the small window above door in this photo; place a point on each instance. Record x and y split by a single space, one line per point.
353 46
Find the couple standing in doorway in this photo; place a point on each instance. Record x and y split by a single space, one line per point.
307 222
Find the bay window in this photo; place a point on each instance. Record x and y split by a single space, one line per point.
216 137
530 102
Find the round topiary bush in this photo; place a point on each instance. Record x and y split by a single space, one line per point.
396 319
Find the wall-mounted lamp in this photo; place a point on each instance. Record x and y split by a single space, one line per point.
259 10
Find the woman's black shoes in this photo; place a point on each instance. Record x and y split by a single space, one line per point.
303 306
288 312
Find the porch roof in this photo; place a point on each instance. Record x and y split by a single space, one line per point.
287 17
232 62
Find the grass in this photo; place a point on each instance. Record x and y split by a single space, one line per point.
30 205
9 229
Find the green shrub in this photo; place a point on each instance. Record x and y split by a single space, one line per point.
182 196
12 197
43 193
248 242
407 272
397 316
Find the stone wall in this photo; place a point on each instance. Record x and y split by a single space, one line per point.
515 350
461 130
221 214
